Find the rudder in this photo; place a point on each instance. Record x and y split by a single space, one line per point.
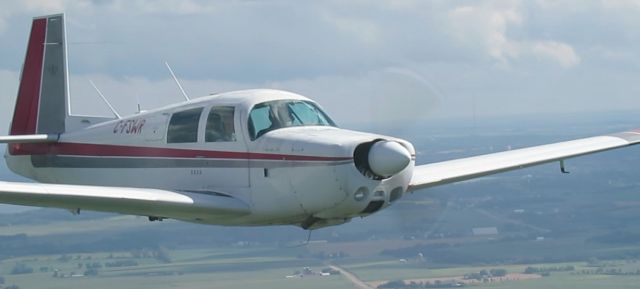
41 105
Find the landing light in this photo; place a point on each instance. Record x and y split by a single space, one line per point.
360 194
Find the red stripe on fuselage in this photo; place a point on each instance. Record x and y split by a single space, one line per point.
81 149
25 115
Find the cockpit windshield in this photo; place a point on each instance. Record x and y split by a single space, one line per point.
268 116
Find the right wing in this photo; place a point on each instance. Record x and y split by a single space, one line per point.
183 205
446 172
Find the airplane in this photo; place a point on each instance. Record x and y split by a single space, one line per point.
243 158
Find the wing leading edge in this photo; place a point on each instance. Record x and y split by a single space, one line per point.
446 172
187 206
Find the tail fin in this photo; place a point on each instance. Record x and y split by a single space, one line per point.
41 105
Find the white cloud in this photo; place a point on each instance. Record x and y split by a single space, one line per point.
488 24
560 52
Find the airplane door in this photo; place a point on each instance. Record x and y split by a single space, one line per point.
269 174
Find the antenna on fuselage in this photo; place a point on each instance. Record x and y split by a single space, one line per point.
105 99
138 104
177 81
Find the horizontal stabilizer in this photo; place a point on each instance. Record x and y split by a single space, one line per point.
29 138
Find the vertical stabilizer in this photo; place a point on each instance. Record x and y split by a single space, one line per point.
41 105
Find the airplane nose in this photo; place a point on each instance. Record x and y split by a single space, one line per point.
387 158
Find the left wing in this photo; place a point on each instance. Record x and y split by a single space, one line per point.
182 205
440 173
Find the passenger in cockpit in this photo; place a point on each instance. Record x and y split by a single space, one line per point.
273 118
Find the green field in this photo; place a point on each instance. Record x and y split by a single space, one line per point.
219 268
266 267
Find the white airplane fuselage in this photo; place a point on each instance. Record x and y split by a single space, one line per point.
243 158
304 175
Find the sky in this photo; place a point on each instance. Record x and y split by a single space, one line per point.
363 61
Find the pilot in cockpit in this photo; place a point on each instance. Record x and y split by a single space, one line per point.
284 115
272 115
273 119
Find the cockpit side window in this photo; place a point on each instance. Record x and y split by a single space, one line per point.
183 126
260 120
273 115
220 126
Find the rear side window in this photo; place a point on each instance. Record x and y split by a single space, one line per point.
183 127
220 125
